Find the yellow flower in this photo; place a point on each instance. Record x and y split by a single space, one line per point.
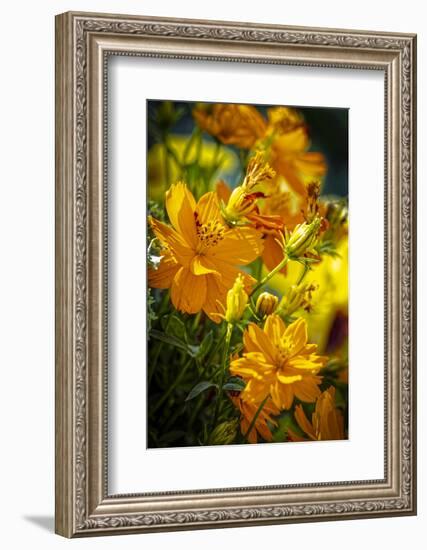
237 300
239 125
278 361
327 422
248 411
200 252
266 303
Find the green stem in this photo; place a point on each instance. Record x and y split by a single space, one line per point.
172 387
269 275
303 274
222 373
254 419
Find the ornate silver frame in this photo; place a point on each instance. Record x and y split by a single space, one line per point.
83 42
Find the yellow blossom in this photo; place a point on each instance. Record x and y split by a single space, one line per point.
200 253
266 303
278 361
327 422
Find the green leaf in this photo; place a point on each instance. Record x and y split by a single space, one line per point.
175 327
168 339
199 388
234 384
205 346
174 341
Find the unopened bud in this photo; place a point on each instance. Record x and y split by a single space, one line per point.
266 303
224 433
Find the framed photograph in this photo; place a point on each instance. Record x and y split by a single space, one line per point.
235 274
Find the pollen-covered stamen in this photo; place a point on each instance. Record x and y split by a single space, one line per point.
209 234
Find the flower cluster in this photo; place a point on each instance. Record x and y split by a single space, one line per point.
248 330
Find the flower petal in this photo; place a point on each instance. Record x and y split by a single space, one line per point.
274 327
173 240
256 339
207 209
180 205
240 246
201 265
188 292
163 276
296 333
303 422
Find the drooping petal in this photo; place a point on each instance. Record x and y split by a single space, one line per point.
282 395
163 276
180 206
303 422
188 292
216 294
240 246
307 390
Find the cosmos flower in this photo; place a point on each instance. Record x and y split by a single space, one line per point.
278 361
200 253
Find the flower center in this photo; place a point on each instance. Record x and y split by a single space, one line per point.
210 234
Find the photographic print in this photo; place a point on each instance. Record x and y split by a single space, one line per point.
247 252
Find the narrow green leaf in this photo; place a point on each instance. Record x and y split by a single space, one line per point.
199 388
168 339
234 384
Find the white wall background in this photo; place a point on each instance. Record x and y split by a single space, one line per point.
27 273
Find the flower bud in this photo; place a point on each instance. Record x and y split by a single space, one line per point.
302 238
297 297
237 300
224 433
266 303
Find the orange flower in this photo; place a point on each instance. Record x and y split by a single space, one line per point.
327 421
289 155
248 411
277 361
200 253
239 125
